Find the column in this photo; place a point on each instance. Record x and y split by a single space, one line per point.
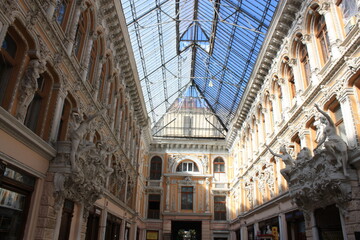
85 65
122 229
167 201
207 192
303 135
80 6
57 114
286 103
283 226
256 229
51 9
348 117
243 233
313 61
326 10
102 224
314 230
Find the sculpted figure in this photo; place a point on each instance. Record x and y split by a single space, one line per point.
28 87
333 143
79 128
286 158
320 124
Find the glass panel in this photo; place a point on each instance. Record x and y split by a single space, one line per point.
20 177
12 215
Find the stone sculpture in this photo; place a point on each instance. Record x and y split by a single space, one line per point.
333 143
286 158
78 129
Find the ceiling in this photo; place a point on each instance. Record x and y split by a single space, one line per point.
210 45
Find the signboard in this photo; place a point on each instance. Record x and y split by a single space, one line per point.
150 235
275 233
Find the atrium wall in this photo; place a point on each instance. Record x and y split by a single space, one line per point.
71 122
316 61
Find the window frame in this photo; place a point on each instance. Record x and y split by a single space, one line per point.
221 214
220 164
186 192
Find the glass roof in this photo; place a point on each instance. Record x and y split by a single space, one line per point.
210 45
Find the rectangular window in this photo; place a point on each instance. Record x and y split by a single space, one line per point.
220 207
15 194
187 198
154 206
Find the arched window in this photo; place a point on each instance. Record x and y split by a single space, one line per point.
155 168
80 35
62 12
11 55
92 62
305 64
349 9
336 115
219 165
69 104
104 81
187 166
36 112
288 75
322 36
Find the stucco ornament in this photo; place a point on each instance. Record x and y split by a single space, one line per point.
86 182
323 179
28 87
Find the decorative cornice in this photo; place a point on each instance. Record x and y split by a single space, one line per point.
286 10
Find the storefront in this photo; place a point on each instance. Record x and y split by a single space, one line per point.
16 188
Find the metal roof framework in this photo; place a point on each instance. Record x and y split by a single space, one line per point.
211 45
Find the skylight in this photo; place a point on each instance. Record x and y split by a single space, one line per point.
211 45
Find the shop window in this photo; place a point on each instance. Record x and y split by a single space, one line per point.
187 198
62 12
66 219
10 58
16 188
155 168
187 166
295 225
219 207
219 165
113 224
93 223
322 36
154 206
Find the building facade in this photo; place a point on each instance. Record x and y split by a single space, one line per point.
78 159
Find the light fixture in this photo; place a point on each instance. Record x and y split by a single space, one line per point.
210 83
